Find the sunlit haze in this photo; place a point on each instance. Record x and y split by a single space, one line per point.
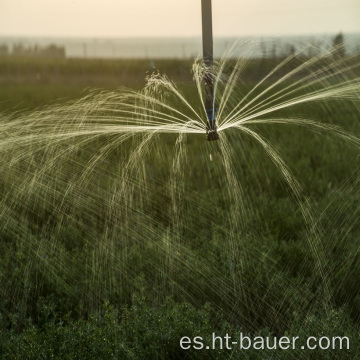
164 18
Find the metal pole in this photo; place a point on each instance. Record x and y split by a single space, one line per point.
207 32
208 55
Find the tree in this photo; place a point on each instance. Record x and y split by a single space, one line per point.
338 45
4 50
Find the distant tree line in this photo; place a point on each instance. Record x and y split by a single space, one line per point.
49 51
277 49
268 50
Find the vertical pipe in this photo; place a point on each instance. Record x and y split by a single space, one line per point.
207 32
208 55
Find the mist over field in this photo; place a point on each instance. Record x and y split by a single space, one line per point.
182 47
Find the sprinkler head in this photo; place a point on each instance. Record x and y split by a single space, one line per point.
212 135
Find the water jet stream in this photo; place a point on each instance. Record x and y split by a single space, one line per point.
117 186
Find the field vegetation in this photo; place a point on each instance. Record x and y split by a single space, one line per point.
92 282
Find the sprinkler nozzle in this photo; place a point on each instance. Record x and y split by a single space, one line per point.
211 129
212 135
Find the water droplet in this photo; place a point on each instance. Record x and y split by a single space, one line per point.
210 157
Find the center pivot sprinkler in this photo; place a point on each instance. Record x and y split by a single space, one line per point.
210 106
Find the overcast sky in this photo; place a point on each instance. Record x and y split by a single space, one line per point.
164 18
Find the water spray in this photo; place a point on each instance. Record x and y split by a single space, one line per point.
210 106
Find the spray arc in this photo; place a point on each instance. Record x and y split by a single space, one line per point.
208 55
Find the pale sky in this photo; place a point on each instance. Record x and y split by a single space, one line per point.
166 18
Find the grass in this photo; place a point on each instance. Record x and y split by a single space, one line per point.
132 287
27 83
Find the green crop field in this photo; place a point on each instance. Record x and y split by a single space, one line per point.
117 243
